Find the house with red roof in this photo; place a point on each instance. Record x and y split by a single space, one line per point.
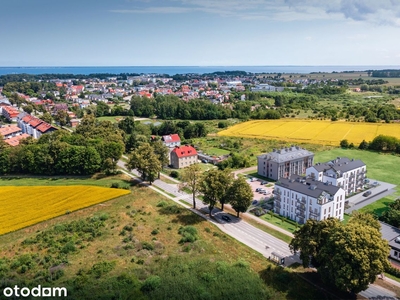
171 140
10 113
10 131
14 141
33 126
183 156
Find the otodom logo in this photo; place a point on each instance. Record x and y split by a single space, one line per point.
37 291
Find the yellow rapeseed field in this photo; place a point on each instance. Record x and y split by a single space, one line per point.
312 131
23 206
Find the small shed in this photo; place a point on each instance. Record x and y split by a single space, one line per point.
278 258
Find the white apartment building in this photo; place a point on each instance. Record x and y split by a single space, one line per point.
301 199
348 174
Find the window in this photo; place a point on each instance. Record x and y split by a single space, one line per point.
310 201
329 209
325 211
396 253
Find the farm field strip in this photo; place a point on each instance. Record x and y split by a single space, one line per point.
27 205
312 131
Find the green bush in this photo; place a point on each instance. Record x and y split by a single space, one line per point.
101 268
174 174
147 246
151 283
189 234
162 204
115 185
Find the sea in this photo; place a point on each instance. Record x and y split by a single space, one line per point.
173 70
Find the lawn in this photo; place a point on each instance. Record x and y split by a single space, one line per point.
217 152
112 119
135 240
96 180
382 167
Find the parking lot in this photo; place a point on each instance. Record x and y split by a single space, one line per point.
257 184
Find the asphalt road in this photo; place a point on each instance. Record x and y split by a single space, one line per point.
253 237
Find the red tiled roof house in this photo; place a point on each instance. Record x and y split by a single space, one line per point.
183 156
171 140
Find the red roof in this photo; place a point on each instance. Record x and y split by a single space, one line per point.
44 127
172 138
9 130
185 151
35 122
14 141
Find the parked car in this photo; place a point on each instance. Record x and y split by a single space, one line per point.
254 202
258 189
367 193
226 218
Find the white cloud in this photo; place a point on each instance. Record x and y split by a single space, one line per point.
382 12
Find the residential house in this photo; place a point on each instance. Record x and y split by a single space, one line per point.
304 198
10 113
348 174
14 141
171 140
33 126
10 131
183 156
392 235
282 163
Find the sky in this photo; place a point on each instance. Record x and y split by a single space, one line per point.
199 32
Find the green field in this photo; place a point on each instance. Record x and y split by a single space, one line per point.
382 167
98 180
112 119
132 246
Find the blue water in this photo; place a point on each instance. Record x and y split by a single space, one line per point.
172 70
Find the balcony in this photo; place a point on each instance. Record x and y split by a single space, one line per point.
278 198
313 213
277 204
301 214
300 207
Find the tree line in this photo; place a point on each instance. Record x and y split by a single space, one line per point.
381 143
94 146
217 186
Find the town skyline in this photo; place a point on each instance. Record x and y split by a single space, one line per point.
205 33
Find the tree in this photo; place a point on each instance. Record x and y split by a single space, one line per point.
191 179
363 145
213 185
347 256
145 161
344 143
239 195
28 108
62 117
47 118
161 152
127 125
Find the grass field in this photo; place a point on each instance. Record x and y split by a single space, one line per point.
96 180
25 206
312 131
379 166
138 240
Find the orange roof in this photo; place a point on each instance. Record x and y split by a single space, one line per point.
44 127
9 130
184 151
14 141
35 122
172 138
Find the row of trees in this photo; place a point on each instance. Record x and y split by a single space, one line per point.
349 256
217 186
380 143
94 146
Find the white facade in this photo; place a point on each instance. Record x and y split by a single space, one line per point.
304 199
348 174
